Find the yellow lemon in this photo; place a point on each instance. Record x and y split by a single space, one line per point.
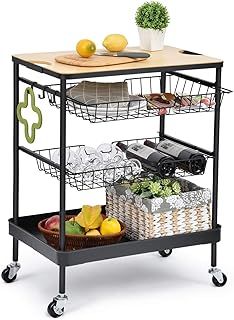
110 226
94 232
85 48
115 42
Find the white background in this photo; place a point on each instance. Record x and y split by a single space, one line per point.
148 286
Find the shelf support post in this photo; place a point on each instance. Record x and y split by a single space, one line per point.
15 159
62 179
216 162
162 117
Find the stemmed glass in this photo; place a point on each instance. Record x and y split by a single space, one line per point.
89 156
73 162
132 168
91 160
112 157
110 153
126 169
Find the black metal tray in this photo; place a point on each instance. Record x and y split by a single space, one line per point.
27 232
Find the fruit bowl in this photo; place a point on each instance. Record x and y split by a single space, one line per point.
75 242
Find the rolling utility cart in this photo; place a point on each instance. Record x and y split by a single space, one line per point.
160 69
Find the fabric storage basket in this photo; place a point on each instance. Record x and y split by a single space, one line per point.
160 217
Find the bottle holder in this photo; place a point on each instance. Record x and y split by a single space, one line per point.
91 179
192 95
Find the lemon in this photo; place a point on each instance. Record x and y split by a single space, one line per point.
94 232
85 48
110 226
115 42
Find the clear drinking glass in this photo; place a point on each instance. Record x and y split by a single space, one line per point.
72 161
132 169
90 156
88 174
111 173
110 153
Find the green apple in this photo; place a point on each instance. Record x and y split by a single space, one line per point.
72 228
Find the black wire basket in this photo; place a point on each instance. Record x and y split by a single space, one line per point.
99 178
192 96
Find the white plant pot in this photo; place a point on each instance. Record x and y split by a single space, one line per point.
151 40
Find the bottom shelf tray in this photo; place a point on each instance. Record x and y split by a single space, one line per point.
27 232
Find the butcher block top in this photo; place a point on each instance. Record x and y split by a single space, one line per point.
168 59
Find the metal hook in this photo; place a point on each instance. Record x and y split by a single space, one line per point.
54 99
43 94
44 90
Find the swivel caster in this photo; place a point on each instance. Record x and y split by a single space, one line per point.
219 279
57 307
165 253
10 273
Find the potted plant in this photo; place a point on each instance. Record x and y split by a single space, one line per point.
152 19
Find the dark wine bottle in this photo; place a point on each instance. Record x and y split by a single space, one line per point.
156 161
189 159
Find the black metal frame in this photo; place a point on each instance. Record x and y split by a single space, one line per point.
216 164
62 258
16 161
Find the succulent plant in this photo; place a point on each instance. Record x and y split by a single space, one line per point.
166 192
165 182
145 184
152 15
176 187
135 187
155 188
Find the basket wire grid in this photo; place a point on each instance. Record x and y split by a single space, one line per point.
98 178
179 86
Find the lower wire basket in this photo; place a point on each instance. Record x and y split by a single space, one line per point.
98 178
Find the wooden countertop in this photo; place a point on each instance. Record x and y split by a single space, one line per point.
170 57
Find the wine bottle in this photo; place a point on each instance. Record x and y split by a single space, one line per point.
156 161
189 159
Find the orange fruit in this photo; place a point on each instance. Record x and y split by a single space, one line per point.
85 48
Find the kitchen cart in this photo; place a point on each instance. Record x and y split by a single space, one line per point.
166 65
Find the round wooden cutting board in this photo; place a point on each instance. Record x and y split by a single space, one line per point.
94 61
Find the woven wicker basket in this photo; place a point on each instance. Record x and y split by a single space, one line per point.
160 217
75 242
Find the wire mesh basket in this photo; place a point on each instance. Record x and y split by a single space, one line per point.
191 96
98 178
88 179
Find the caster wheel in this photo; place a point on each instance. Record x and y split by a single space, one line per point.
219 284
5 276
54 311
165 253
